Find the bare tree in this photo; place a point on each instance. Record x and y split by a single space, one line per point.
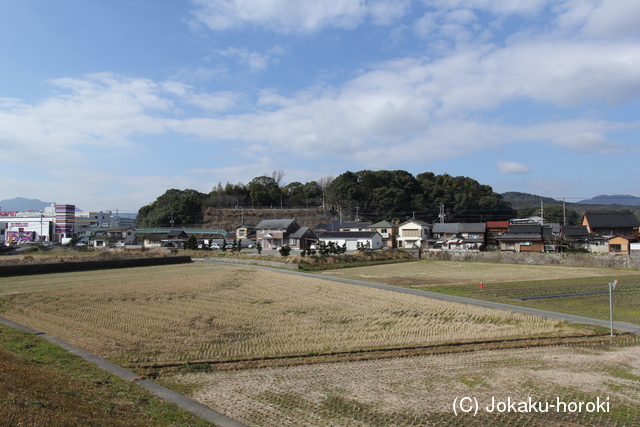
277 176
324 181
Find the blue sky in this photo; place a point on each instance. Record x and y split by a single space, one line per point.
107 104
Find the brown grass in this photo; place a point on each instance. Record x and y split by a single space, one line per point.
420 391
72 255
207 312
438 273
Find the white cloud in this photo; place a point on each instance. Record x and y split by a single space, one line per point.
255 60
512 167
286 16
601 18
497 7
589 142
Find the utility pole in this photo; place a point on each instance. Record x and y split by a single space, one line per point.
441 215
612 286
541 211
564 211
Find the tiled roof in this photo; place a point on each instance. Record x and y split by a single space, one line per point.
611 219
274 224
348 234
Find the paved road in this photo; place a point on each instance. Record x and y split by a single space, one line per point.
621 326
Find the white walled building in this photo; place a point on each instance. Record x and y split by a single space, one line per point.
353 239
412 233
53 224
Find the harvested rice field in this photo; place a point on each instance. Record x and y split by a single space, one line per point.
205 312
431 273
424 390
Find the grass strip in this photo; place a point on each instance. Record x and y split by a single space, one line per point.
42 384
590 299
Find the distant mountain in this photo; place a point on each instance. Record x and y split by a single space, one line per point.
612 200
525 200
22 204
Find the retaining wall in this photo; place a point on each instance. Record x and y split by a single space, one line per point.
574 260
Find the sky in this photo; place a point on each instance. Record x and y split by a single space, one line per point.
107 104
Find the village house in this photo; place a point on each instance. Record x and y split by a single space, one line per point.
458 236
412 233
352 240
274 233
115 237
611 223
387 230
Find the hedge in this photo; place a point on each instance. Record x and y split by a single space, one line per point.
65 267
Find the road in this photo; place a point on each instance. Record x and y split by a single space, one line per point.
621 326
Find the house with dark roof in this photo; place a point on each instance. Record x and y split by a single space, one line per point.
273 233
353 239
245 231
575 236
115 237
172 239
495 229
458 236
611 223
387 230
522 238
338 225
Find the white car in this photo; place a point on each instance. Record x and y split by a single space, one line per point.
214 246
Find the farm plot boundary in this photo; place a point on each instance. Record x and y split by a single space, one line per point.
212 312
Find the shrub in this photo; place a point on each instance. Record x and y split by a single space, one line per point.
284 250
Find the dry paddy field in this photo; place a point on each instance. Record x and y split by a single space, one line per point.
425 274
205 312
421 391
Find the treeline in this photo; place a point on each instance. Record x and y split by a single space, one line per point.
365 195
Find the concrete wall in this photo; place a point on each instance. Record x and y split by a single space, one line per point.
575 260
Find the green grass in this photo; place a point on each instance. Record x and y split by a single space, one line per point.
42 384
626 297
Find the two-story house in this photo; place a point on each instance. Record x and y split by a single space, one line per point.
412 233
115 237
273 233
458 236
522 238
611 223
387 230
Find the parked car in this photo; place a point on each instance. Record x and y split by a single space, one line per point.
215 246
251 245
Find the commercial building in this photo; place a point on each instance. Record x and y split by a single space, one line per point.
55 223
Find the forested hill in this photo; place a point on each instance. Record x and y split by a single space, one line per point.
556 210
365 195
526 200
